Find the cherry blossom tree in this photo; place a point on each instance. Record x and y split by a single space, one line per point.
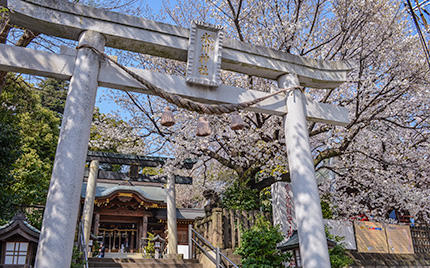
379 161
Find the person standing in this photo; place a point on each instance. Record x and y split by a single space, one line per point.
102 250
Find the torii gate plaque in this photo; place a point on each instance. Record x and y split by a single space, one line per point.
97 28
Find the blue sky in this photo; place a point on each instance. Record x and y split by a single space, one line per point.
107 105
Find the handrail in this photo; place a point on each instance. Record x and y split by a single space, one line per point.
204 239
205 251
83 244
225 257
218 260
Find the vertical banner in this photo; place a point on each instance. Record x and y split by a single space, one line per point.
283 208
204 54
370 237
399 239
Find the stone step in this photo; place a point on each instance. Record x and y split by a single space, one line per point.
141 263
123 255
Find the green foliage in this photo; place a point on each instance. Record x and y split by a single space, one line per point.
327 212
77 259
238 196
29 134
266 199
53 94
149 248
4 10
258 248
338 256
151 171
34 217
95 248
9 152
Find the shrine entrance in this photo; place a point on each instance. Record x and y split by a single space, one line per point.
124 218
119 237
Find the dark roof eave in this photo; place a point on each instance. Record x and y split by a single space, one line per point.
293 243
14 228
112 194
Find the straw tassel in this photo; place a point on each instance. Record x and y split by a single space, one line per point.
203 127
236 122
167 118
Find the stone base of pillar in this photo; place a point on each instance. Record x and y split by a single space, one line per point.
174 256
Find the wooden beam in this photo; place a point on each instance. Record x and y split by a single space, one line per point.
131 159
31 61
67 20
114 176
126 159
122 212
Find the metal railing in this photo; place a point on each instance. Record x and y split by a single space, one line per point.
197 242
82 244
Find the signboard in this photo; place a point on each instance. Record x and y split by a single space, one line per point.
204 54
370 237
343 229
283 208
399 239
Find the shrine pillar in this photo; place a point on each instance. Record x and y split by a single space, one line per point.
132 242
144 229
90 194
62 204
172 233
97 224
313 242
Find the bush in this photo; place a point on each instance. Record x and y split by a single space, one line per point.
238 196
338 257
77 258
149 249
258 248
241 197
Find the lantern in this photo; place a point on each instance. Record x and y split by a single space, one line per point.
236 122
167 118
203 128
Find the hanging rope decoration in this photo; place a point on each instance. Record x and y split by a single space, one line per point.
183 102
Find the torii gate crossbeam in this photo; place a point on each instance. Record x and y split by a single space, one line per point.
98 28
66 20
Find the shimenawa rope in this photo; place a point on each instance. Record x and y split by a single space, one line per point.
183 102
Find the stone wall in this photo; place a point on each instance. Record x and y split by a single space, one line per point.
421 239
388 260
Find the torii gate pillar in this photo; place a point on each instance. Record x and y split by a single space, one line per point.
312 239
172 233
61 211
90 195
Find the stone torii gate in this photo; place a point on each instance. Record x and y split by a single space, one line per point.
98 28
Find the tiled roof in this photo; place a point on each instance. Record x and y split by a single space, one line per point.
182 213
293 243
31 227
19 223
153 193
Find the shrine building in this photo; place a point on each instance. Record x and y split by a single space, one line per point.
129 206
124 214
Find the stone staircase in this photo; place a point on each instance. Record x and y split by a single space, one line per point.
141 263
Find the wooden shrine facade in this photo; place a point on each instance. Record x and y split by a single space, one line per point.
126 212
